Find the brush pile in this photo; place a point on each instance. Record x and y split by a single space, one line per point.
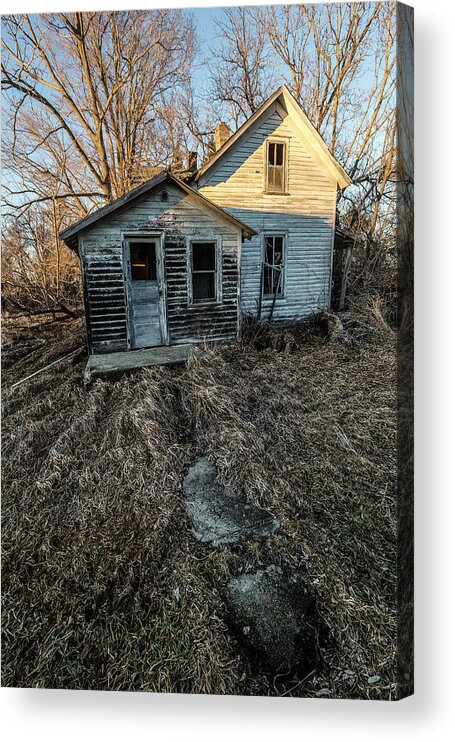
104 586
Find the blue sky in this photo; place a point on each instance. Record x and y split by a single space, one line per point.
209 41
207 35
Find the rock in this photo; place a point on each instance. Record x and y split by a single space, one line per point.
349 677
333 329
217 518
332 325
290 344
277 341
274 616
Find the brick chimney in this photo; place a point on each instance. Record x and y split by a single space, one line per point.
192 161
222 134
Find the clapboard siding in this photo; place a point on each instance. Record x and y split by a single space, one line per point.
104 292
179 220
305 216
200 322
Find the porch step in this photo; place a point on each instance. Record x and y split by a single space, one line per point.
106 363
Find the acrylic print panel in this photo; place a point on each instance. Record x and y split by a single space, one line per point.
227 510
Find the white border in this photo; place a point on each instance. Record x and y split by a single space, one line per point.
77 715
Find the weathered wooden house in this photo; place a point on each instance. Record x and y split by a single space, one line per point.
178 260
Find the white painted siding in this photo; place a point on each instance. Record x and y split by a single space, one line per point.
178 219
305 215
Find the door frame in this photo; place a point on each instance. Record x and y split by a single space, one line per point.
158 237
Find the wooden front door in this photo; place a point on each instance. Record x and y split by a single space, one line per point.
144 292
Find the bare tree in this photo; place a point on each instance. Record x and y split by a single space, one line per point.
38 271
241 74
323 47
339 61
86 94
87 101
199 118
94 102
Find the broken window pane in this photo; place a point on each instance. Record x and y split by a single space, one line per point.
143 261
278 250
267 280
203 256
279 154
272 153
269 250
273 282
203 286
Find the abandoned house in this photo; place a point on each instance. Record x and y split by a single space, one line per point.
177 260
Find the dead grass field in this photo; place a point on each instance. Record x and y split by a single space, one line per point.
104 586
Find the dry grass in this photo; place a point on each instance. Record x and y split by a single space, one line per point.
103 584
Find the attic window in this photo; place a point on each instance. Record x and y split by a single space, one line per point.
164 196
276 167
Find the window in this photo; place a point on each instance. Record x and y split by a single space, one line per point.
273 279
203 271
276 167
143 260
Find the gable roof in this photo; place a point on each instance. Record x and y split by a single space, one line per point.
311 135
69 234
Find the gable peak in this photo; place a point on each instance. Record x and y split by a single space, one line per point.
307 131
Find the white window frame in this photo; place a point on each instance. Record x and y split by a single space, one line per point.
282 295
285 143
218 270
